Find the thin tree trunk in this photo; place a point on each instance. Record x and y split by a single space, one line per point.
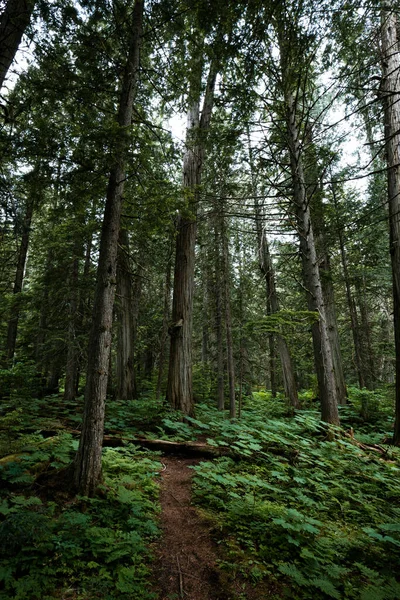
19 278
365 318
137 294
13 21
314 195
88 459
365 336
125 373
179 387
350 300
272 305
321 342
164 331
228 320
391 101
289 381
272 361
330 311
219 325
205 334
53 379
72 366
41 336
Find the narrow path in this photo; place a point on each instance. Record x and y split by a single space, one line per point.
186 555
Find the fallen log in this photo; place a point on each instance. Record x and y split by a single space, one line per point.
366 447
189 449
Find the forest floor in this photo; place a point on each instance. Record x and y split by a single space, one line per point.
186 556
205 508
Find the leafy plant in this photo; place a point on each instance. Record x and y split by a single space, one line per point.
97 547
295 505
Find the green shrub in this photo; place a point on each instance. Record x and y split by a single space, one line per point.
94 547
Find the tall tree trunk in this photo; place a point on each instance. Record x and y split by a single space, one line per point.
125 373
84 306
314 193
41 359
330 311
205 332
164 330
272 360
72 366
12 328
321 342
88 459
366 351
179 387
391 101
219 324
350 300
228 319
272 303
289 381
53 378
13 22
294 90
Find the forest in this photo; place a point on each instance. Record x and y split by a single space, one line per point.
199 299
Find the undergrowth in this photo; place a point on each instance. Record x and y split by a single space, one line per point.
52 546
293 506
317 517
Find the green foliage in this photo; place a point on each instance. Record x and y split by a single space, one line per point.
371 412
19 381
294 505
91 547
284 322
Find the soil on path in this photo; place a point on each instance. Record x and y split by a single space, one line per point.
186 557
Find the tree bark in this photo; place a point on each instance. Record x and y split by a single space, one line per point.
314 194
12 328
179 387
289 381
391 102
365 336
125 373
330 311
228 319
272 362
13 21
72 366
350 300
87 472
164 330
219 324
321 342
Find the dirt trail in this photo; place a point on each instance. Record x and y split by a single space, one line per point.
186 555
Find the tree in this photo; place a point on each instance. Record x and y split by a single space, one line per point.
87 466
294 79
391 103
179 387
126 386
13 21
12 329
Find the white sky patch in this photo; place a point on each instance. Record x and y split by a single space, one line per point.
177 126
